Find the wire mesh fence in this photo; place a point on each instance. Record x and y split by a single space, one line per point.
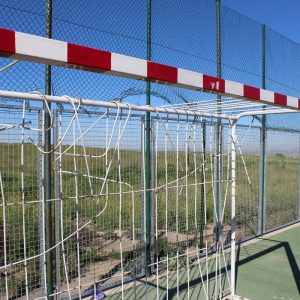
191 45
248 180
98 170
183 209
21 223
106 26
282 193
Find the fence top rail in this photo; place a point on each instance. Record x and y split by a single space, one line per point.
23 46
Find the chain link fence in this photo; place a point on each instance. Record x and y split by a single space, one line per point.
182 36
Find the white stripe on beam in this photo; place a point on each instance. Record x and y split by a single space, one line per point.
190 79
292 101
40 49
135 67
234 88
266 96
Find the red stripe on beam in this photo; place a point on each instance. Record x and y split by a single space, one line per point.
251 92
89 57
162 72
280 99
7 42
213 83
299 103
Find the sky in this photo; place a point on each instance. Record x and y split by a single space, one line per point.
280 15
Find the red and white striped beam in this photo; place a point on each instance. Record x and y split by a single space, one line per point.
23 46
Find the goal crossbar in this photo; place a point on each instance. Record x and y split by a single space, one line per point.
23 46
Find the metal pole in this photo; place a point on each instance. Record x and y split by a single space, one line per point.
203 196
47 165
233 217
110 105
57 204
218 134
263 135
299 180
41 204
148 149
218 30
263 56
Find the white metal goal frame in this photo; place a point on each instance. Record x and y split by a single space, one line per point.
243 100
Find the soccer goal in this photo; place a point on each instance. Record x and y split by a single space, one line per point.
125 201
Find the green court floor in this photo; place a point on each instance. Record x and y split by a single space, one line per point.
267 268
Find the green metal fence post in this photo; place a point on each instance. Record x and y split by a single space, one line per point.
218 31
218 135
299 179
47 166
262 189
148 149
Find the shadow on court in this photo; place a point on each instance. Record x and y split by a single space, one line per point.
259 253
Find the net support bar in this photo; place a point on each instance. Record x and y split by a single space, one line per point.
106 104
22 46
233 216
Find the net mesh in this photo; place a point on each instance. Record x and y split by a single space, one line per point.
99 204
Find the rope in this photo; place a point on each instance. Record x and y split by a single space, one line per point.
183 182
64 239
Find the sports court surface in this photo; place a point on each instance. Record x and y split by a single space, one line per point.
268 268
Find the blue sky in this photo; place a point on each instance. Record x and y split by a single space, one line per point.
280 15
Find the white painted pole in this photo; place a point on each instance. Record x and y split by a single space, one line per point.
106 104
233 217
